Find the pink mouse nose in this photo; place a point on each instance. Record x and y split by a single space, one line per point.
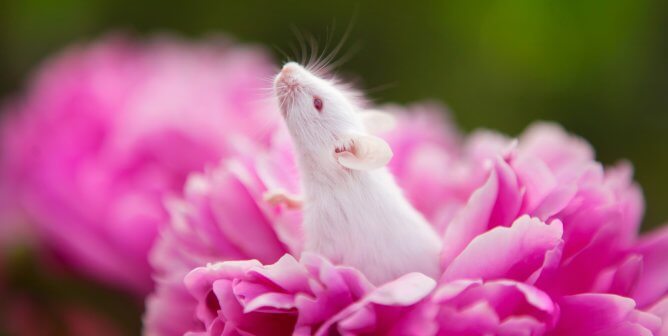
290 68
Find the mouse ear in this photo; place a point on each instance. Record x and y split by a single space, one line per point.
366 152
377 121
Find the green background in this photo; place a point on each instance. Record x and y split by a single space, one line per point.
600 68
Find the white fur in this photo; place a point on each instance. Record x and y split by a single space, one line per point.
354 217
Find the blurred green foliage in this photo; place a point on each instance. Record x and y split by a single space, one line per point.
600 68
45 295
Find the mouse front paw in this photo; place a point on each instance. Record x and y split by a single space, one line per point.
345 145
281 197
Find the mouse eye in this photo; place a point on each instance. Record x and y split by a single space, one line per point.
317 103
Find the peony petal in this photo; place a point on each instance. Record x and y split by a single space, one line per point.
625 329
360 321
587 314
471 221
405 291
269 303
536 178
660 309
652 284
537 298
510 302
578 273
516 326
495 203
647 320
287 273
555 202
452 289
200 280
337 288
395 298
231 202
620 279
502 252
558 149
509 199
476 319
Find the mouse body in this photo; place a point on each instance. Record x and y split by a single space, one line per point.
354 213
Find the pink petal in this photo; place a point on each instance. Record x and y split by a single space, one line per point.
620 279
517 326
536 177
495 203
515 252
232 204
452 289
558 149
587 314
200 280
269 302
405 291
509 301
660 309
555 202
625 329
476 319
338 287
391 299
652 284
287 273
509 198
471 221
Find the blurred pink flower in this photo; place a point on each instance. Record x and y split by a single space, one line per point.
539 239
106 130
221 217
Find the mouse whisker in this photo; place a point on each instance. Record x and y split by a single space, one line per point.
295 51
313 43
283 53
302 44
324 63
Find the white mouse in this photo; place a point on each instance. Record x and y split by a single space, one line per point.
354 212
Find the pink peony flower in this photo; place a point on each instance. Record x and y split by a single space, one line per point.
301 298
243 180
265 292
219 213
539 239
106 130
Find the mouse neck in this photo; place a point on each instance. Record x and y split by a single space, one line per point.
323 174
318 171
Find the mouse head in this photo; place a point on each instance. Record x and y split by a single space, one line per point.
326 122
311 104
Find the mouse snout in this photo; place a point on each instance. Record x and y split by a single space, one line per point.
288 73
287 85
287 79
290 68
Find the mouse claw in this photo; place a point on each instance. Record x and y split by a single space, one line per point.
344 146
280 197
